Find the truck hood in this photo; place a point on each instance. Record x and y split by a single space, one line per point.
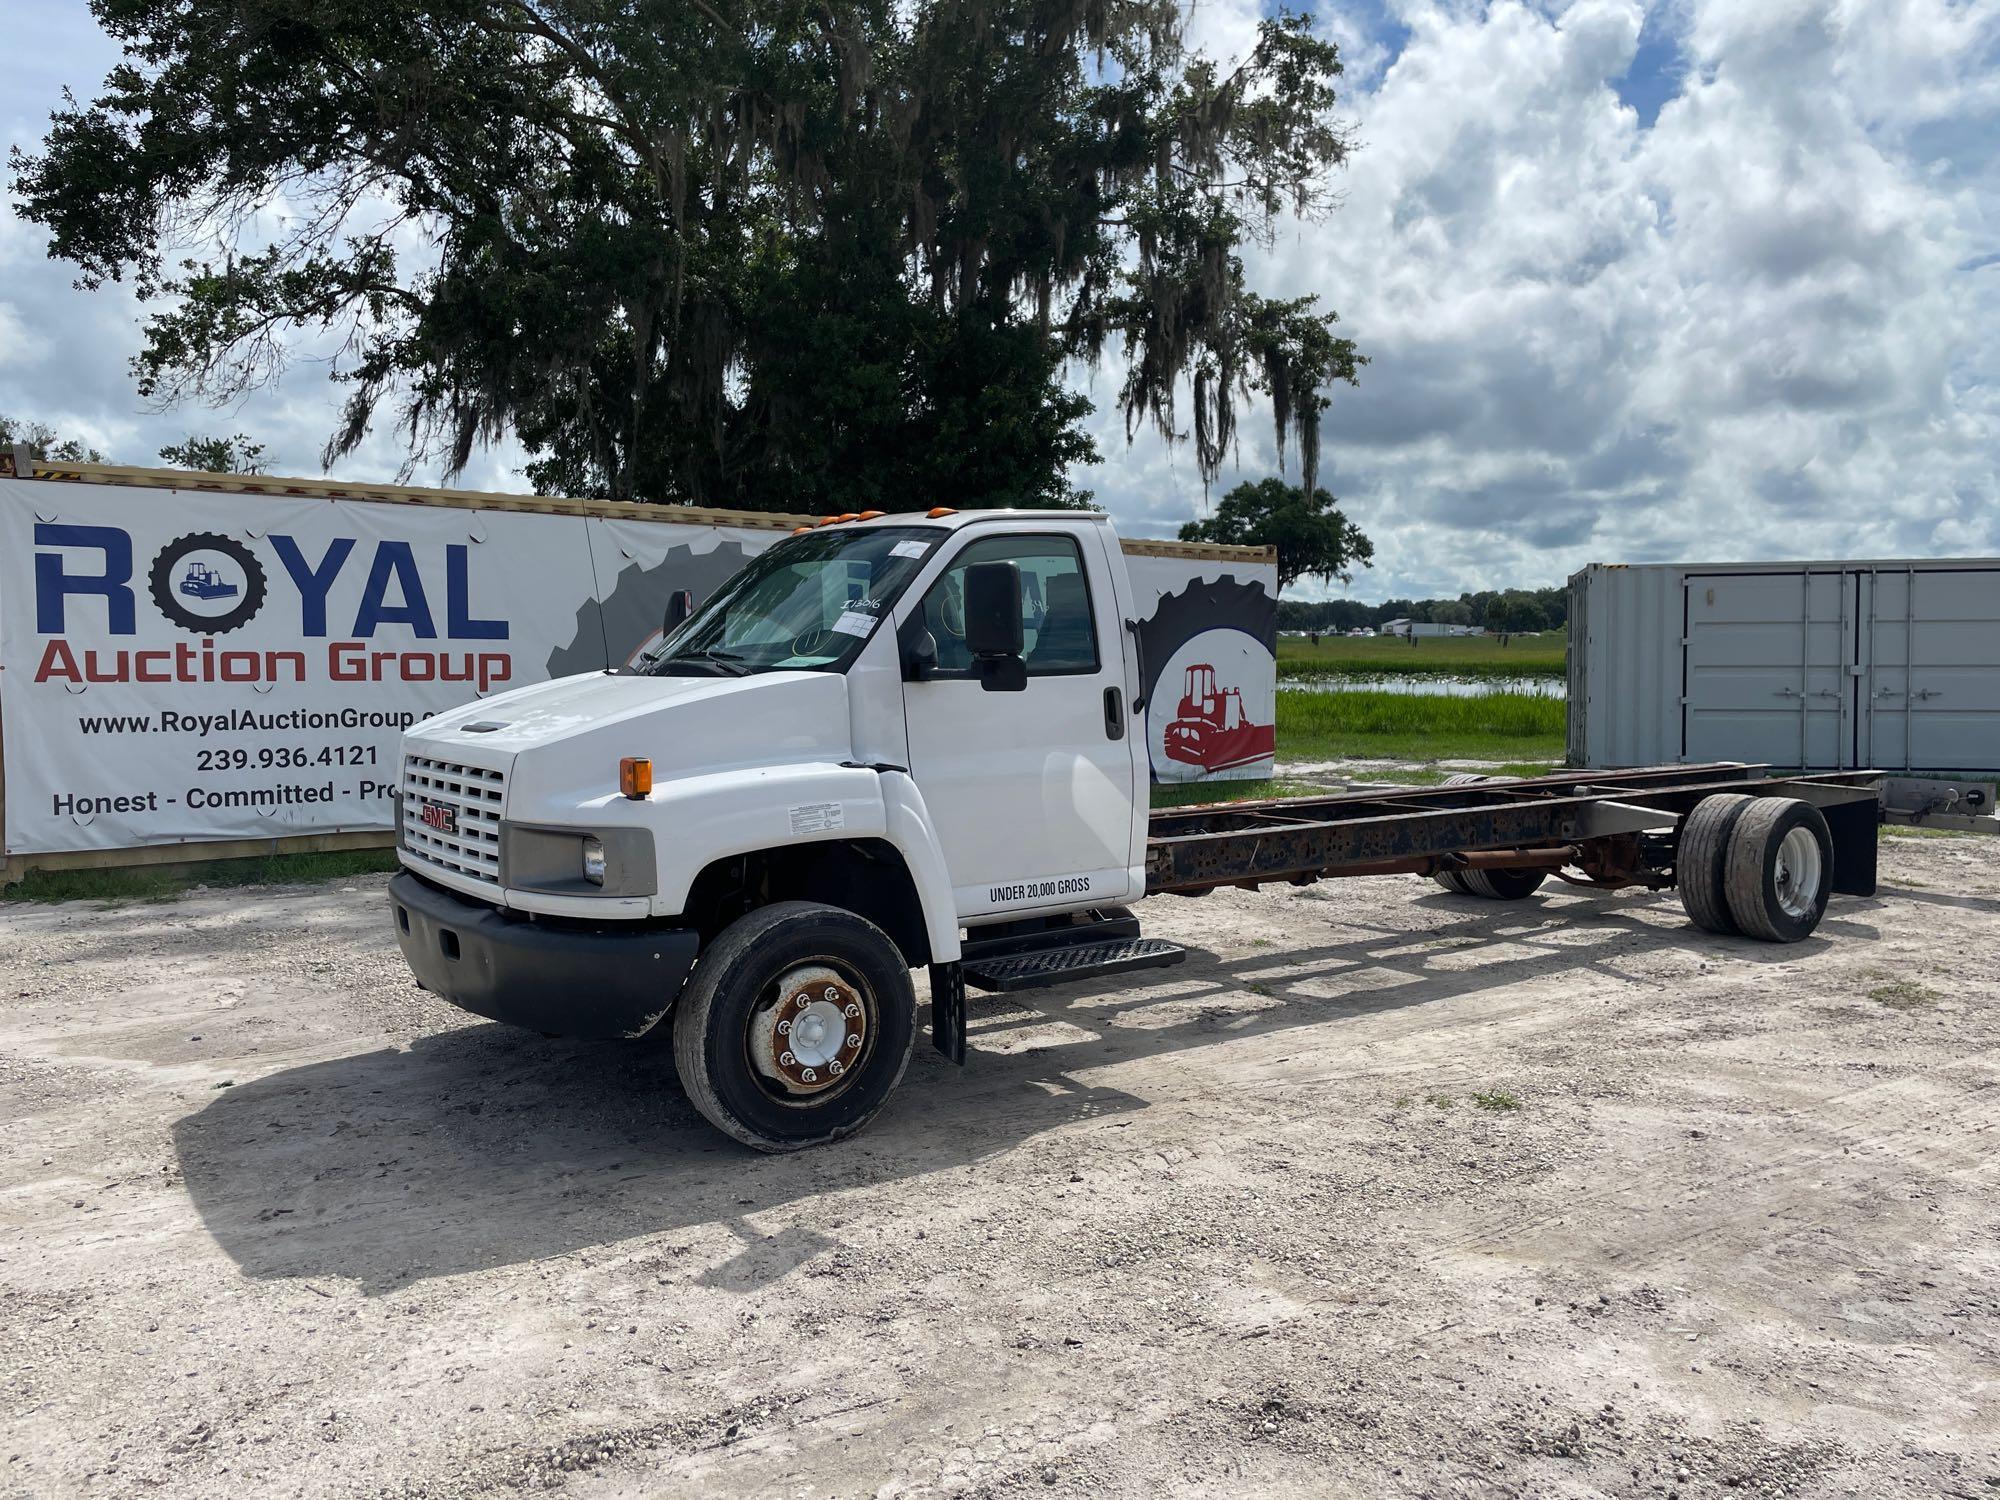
562 740
553 710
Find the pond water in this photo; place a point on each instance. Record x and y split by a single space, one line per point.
1428 686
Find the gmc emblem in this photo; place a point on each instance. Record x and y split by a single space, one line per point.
439 815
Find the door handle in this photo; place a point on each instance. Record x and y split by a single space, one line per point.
1138 660
1114 714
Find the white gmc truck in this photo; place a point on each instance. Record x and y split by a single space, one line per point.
916 741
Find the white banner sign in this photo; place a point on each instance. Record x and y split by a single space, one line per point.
186 665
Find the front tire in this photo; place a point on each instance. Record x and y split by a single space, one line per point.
796 1026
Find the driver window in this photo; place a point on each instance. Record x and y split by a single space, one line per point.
1059 633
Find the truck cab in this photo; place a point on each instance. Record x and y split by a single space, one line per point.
885 738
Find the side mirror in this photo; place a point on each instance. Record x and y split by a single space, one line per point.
1001 674
993 609
993 626
680 604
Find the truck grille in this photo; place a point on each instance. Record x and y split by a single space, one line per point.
473 794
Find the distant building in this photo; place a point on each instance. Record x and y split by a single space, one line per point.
1422 629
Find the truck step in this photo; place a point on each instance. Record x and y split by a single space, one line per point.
1067 962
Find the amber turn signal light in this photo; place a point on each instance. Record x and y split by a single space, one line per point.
635 777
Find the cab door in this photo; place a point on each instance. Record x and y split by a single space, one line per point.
1033 794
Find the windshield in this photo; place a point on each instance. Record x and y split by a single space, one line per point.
807 605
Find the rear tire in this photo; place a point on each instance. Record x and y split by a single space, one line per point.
1780 869
1700 858
1492 885
1455 881
753 995
1505 885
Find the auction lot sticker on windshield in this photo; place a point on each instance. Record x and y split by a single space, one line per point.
854 622
909 549
818 817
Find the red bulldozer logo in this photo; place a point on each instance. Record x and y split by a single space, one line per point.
1210 730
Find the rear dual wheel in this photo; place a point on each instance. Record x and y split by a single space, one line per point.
1759 866
1701 860
1780 870
796 1026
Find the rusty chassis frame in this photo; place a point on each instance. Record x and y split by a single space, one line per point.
1618 827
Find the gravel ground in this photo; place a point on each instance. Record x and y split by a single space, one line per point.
1384 1192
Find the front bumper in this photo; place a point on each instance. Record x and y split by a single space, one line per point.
569 981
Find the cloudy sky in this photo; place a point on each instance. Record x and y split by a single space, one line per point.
1682 278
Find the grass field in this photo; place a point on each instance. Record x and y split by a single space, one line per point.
1195 793
1514 727
1543 655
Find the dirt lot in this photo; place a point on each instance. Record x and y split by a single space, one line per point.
1384 1192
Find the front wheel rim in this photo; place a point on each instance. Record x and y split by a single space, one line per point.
812 1034
1797 872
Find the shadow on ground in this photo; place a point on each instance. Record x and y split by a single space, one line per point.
488 1146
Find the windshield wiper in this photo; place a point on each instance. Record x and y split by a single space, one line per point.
731 662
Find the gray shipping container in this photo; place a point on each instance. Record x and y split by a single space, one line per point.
1815 666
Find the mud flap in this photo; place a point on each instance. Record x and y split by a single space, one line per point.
948 1011
1852 826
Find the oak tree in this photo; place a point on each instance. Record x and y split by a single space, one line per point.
1314 540
739 252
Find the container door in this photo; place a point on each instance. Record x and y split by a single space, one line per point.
1767 658
1577 723
1931 669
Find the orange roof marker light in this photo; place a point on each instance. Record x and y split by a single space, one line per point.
869 515
938 512
797 529
828 521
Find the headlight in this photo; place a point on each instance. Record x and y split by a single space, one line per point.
559 861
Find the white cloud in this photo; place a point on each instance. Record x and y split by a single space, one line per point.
1757 328
1763 325
20 348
